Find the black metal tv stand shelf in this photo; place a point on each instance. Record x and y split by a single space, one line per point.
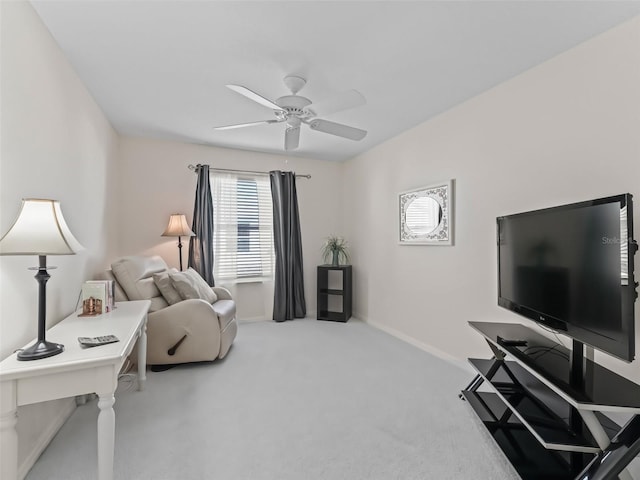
544 407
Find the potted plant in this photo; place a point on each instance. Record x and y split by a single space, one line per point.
335 249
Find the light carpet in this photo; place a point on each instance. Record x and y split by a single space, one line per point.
299 400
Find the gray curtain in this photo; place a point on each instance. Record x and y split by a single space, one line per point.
289 300
201 246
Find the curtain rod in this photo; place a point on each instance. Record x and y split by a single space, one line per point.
228 170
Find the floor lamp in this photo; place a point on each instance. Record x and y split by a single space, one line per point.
178 227
40 230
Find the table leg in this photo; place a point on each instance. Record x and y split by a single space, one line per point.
142 357
9 445
106 435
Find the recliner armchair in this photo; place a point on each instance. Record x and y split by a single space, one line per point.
190 330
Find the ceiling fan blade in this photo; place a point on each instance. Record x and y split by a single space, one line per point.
338 129
250 124
292 138
250 94
342 101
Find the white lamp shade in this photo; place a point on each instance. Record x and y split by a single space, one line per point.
40 229
178 227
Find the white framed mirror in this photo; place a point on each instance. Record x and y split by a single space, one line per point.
426 215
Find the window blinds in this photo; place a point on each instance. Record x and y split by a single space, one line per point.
243 230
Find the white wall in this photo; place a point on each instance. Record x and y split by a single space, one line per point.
156 182
565 131
56 143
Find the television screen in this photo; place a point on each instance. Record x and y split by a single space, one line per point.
571 268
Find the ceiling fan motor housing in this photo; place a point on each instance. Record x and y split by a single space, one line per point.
294 108
293 102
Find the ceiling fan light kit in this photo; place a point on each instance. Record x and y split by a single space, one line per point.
295 109
291 138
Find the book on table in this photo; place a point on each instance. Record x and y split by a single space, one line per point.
97 297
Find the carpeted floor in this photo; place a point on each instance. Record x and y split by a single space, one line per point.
294 401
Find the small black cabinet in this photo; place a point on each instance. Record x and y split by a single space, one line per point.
334 288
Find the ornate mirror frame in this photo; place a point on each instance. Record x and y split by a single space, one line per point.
442 234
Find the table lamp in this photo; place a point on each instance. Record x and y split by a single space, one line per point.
178 227
40 230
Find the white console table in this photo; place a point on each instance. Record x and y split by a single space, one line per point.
75 371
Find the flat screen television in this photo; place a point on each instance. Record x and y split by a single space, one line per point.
570 268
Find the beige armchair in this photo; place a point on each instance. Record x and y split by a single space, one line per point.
191 330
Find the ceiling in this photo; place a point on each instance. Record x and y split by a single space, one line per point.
159 68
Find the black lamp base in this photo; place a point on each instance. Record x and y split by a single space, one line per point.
40 349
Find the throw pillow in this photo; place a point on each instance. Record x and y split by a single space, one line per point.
185 285
164 284
203 287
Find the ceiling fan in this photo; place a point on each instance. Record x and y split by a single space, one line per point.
296 110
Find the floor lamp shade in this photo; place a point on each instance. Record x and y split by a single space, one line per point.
178 227
40 229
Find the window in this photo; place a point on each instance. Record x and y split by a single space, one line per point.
243 227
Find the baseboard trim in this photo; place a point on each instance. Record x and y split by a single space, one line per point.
46 437
310 314
421 345
252 319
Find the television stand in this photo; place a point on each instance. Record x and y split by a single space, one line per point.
545 405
